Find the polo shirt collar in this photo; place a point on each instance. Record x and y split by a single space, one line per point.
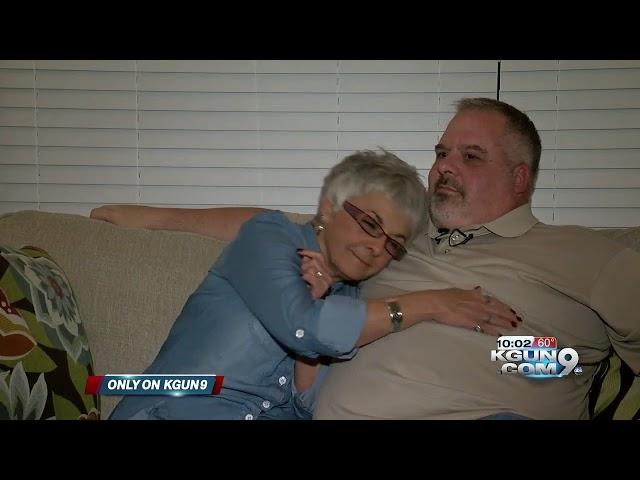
513 224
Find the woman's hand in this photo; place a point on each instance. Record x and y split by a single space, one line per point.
469 309
316 273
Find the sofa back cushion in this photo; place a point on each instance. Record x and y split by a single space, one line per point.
130 284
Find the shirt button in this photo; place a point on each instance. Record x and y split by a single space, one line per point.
299 333
266 404
282 380
446 250
248 416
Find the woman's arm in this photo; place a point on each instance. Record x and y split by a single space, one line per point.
453 306
222 223
264 268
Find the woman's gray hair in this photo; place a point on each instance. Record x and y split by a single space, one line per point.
367 171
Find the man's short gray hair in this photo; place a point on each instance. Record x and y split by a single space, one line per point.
519 124
367 171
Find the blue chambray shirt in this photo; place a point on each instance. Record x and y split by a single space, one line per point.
245 320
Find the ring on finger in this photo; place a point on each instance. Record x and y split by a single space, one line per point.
318 274
478 328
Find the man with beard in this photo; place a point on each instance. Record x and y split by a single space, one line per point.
565 282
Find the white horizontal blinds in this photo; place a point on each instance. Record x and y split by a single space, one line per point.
588 115
77 134
85 134
266 132
18 140
236 133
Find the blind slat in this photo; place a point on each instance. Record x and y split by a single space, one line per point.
18 173
94 175
88 156
80 80
16 78
88 193
21 155
21 97
17 117
88 100
84 137
87 118
230 195
93 65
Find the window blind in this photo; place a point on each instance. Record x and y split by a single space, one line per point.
588 115
77 134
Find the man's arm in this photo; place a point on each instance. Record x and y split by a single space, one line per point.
222 223
615 296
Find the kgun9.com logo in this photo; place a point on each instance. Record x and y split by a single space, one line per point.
535 357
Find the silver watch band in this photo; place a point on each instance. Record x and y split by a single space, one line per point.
395 314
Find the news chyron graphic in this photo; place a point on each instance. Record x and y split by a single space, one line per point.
535 357
174 385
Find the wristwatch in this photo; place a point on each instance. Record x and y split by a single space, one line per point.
395 314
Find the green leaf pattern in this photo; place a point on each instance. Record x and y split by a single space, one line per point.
45 381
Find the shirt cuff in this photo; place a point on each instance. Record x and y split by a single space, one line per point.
340 323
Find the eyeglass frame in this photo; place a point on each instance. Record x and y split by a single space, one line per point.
357 214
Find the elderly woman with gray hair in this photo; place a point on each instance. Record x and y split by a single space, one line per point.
282 300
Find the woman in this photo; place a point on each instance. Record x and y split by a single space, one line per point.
282 291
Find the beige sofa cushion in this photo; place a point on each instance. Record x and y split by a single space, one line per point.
130 284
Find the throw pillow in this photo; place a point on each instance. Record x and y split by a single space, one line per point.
615 394
44 353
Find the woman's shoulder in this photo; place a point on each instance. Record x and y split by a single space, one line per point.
270 223
270 218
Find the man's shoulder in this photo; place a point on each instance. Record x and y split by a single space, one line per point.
580 236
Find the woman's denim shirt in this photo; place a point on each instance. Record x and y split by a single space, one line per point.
247 319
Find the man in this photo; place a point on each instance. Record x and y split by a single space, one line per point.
565 282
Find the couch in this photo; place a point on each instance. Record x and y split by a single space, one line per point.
130 284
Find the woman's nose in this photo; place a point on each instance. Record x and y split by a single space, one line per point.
377 245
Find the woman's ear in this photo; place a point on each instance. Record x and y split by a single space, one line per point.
326 210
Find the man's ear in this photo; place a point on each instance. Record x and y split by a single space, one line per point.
521 175
326 209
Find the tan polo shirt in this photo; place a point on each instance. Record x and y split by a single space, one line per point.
568 282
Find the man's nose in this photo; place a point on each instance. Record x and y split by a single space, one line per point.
449 164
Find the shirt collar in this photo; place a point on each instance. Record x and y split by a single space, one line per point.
310 237
515 223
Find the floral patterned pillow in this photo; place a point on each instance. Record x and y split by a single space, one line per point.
44 353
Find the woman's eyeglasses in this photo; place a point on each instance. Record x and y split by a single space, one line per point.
373 228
